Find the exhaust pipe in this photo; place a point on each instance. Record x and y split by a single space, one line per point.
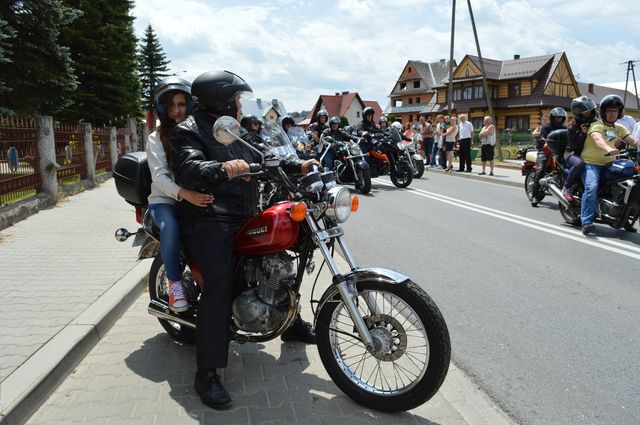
553 188
159 312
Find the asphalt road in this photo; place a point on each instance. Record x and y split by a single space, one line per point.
544 319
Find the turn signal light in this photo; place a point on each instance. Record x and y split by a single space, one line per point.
637 168
298 211
355 203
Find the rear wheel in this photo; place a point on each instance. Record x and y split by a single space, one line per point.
158 292
412 340
528 185
569 215
402 176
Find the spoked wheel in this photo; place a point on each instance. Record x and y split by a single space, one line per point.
569 215
528 185
412 347
403 176
158 292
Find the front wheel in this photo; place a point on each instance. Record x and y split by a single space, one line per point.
364 181
419 171
413 349
402 176
158 292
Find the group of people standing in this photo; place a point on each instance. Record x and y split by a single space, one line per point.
439 141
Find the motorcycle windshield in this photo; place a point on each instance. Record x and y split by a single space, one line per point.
277 141
395 135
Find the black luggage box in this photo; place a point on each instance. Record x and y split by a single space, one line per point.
133 178
557 141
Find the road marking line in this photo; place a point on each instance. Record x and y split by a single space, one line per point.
575 235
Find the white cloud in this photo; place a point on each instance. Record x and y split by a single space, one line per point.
297 50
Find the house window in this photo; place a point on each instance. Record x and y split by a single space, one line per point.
517 122
467 93
477 122
478 92
403 86
410 101
409 69
358 114
457 94
416 84
410 118
514 89
494 92
417 100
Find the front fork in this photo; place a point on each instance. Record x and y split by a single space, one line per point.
348 291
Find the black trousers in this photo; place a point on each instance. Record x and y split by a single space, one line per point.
209 242
541 160
465 154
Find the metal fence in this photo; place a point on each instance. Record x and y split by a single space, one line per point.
19 158
70 152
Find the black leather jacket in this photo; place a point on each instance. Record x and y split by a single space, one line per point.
368 126
197 159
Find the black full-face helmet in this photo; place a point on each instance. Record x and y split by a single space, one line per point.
334 120
323 113
167 85
383 120
583 104
217 92
557 117
368 111
611 101
287 120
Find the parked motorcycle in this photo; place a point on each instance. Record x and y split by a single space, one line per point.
380 337
349 165
618 203
387 157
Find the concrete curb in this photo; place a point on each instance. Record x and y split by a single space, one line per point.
24 391
475 176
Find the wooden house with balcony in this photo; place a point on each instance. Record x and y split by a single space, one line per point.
522 89
413 93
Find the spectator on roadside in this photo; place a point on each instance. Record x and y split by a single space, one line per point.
442 159
12 159
427 141
435 152
636 130
487 141
466 136
449 142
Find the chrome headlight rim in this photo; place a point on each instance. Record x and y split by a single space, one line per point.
339 204
355 150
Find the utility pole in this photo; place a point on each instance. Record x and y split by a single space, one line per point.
630 68
487 94
453 30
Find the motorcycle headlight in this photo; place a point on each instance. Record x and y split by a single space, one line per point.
339 204
401 146
355 150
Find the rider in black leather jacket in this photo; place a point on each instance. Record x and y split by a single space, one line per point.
337 135
367 125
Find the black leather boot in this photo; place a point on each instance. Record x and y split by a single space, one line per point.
299 331
211 392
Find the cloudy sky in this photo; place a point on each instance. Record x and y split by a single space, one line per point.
297 50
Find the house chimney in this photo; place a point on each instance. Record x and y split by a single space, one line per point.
259 102
516 57
590 87
345 92
274 102
442 61
337 94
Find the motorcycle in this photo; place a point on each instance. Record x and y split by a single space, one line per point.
380 337
350 165
301 142
387 157
410 153
552 181
618 198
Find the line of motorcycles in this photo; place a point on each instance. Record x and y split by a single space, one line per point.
618 203
363 156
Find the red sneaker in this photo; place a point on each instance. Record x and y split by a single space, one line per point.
567 195
177 298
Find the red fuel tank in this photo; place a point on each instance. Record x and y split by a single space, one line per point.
271 231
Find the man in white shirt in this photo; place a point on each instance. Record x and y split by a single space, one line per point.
466 136
636 130
628 121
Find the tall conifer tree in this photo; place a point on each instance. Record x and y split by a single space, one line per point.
6 40
152 66
40 74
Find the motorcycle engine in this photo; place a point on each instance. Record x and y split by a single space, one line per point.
264 306
612 208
